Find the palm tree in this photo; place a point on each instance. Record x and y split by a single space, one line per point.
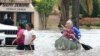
12 1
87 6
75 12
64 7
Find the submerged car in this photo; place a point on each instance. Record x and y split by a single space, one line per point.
7 34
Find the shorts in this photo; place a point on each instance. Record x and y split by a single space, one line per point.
28 47
20 47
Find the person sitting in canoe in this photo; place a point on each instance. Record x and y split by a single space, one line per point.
77 32
74 28
68 32
67 40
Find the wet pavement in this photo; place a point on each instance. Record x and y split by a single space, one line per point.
44 45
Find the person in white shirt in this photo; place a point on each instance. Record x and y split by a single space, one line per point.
29 37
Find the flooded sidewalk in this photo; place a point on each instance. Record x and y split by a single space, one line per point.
44 45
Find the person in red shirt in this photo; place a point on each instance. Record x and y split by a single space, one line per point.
20 38
68 31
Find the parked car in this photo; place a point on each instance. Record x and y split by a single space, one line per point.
7 34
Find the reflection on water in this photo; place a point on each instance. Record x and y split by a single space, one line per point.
11 51
44 45
14 52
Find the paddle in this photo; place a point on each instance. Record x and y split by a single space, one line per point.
86 47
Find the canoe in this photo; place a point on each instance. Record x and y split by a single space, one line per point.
66 44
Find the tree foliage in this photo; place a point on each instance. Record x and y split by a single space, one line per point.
87 6
44 7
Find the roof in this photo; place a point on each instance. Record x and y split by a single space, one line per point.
16 1
30 8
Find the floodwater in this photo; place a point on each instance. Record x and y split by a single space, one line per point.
44 45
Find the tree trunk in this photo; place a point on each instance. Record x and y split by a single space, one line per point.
64 12
75 12
43 21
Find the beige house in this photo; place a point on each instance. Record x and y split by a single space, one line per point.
19 10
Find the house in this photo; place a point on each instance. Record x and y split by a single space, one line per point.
20 11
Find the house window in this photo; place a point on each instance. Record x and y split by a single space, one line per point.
23 17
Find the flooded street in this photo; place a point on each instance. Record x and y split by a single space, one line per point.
44 45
